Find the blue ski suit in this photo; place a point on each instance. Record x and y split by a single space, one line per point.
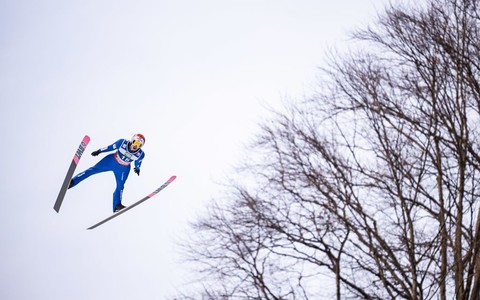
117 162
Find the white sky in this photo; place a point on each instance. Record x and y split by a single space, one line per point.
193 76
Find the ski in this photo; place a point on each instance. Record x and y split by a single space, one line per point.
71 169
170 180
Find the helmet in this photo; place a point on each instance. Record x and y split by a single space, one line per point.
138 140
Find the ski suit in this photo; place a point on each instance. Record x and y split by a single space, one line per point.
117 162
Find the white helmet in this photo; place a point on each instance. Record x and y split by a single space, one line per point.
138 140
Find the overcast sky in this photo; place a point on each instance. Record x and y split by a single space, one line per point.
193 76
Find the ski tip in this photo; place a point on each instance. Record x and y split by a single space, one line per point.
172 178
86 139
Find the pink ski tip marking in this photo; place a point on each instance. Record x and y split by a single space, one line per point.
162 187
85 141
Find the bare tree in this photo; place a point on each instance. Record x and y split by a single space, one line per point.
368 189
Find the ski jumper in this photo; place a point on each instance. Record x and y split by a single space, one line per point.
117 162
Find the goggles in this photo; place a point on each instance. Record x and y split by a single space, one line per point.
137 144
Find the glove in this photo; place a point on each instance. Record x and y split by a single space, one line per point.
137 171
95 153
